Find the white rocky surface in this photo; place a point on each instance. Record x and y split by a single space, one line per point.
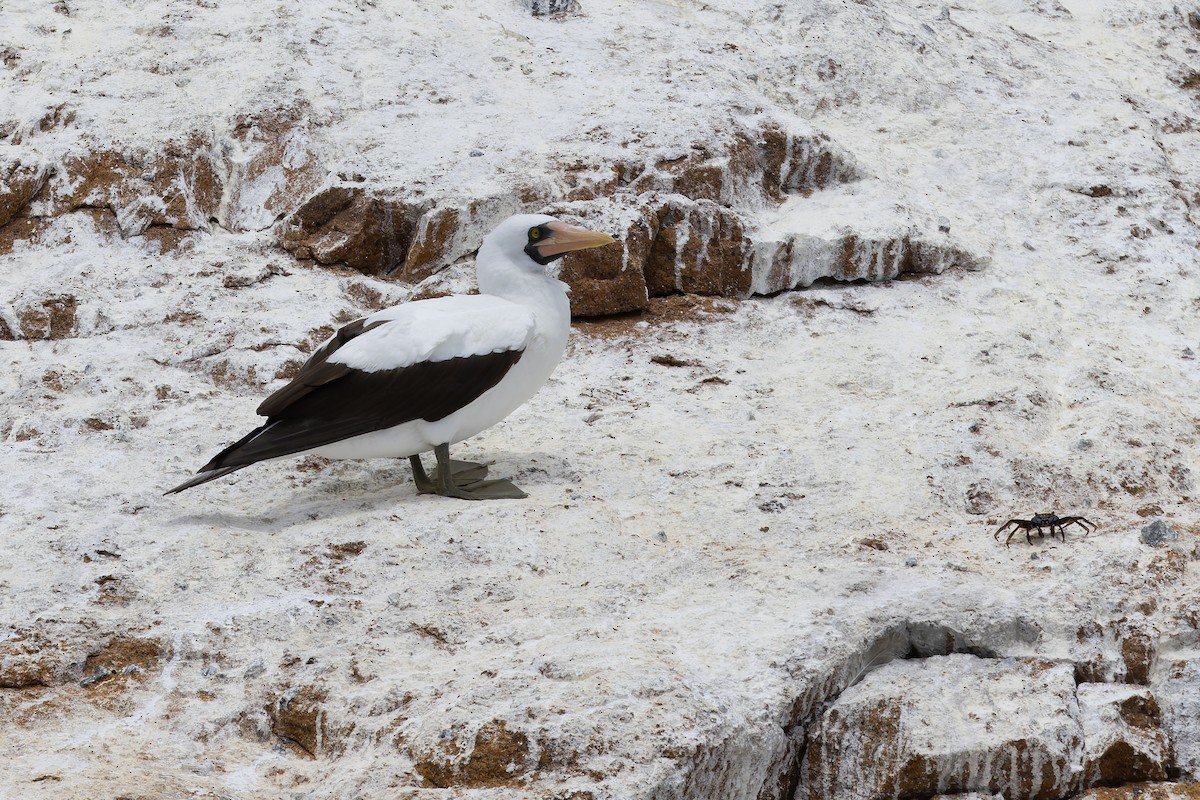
947 724
710 551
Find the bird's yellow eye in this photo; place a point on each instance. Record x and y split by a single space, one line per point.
535 233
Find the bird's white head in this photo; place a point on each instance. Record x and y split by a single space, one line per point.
528 243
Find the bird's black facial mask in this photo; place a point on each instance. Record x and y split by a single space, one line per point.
537 235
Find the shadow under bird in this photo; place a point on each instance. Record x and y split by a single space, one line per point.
423 375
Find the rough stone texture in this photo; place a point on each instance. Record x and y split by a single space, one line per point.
588 181
497 757
45 657
271 167
298 715
1145 791
758 165
694 236
122 655
801 164
50 317
678 221
878 740
1122 651
610 279
1122 734
700 248
175 185
452 230
352 226
378 234
797 260
22 174
666 245
541 8
1159 532
1178 691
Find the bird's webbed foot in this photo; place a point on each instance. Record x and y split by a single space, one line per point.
462 472
462 479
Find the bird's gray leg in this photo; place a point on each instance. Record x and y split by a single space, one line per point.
474 490
463 472
424 485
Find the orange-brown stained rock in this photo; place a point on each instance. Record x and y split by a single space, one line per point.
590 181
1120 651
175 185
112 671
609 279
798 260
1137 651
698 178
30 658
1141 711
1122 762
1145 791
123 652
873 260
1123 736
454 229
352 226
20 180
431 244
803 164
876 741
275 168
299 716
699 248
21 229
50 318
498 757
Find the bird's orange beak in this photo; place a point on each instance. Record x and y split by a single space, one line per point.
564 238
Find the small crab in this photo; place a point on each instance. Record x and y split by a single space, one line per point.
1040 521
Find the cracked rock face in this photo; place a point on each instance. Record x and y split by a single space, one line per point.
271 166
22 174
700 215
175 186
953 724
889 736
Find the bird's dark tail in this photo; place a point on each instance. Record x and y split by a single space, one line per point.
204 477
219 465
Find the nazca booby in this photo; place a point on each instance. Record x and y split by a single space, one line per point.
423 375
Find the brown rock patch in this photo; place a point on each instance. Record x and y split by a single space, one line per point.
52 317
1138 652
498 757
176 185
349 225
298 716
607 280
282 168
875 743
29 659
21 178
431 245
1145 791
699 248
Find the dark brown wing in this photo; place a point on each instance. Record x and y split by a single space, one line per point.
336 404
317 371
